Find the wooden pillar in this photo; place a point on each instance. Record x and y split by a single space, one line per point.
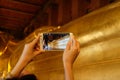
104 2
83 7
54 14
67 12
60 12
74 9
49 16
41 20
95 4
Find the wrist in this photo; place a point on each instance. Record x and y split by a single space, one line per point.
67 62
67 65
25 59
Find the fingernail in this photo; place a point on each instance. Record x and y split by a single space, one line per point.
71 35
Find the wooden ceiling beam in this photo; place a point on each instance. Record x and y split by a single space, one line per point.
15 14
33 2
19 6
4 18
9 26
11 22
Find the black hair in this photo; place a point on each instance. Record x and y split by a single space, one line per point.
12 78
25 77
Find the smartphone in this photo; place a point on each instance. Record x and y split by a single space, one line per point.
54 41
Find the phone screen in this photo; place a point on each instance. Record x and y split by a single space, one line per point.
55 41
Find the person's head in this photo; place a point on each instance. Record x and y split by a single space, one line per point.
25 77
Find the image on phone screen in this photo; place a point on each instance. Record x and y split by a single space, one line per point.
55 41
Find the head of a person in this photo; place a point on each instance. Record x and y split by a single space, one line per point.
25 77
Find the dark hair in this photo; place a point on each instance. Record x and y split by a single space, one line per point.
12 78
28 77
25 77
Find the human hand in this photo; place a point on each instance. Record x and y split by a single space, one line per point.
31 50
71 52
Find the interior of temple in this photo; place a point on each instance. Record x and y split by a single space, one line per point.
97 30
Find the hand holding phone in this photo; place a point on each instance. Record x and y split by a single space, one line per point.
54 41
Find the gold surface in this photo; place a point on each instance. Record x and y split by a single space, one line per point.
99 35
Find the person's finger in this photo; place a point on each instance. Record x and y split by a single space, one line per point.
74 41
68 45
71 36
34 42
39 51
78 46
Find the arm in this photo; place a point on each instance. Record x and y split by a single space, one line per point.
30 51
69 56
68 72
